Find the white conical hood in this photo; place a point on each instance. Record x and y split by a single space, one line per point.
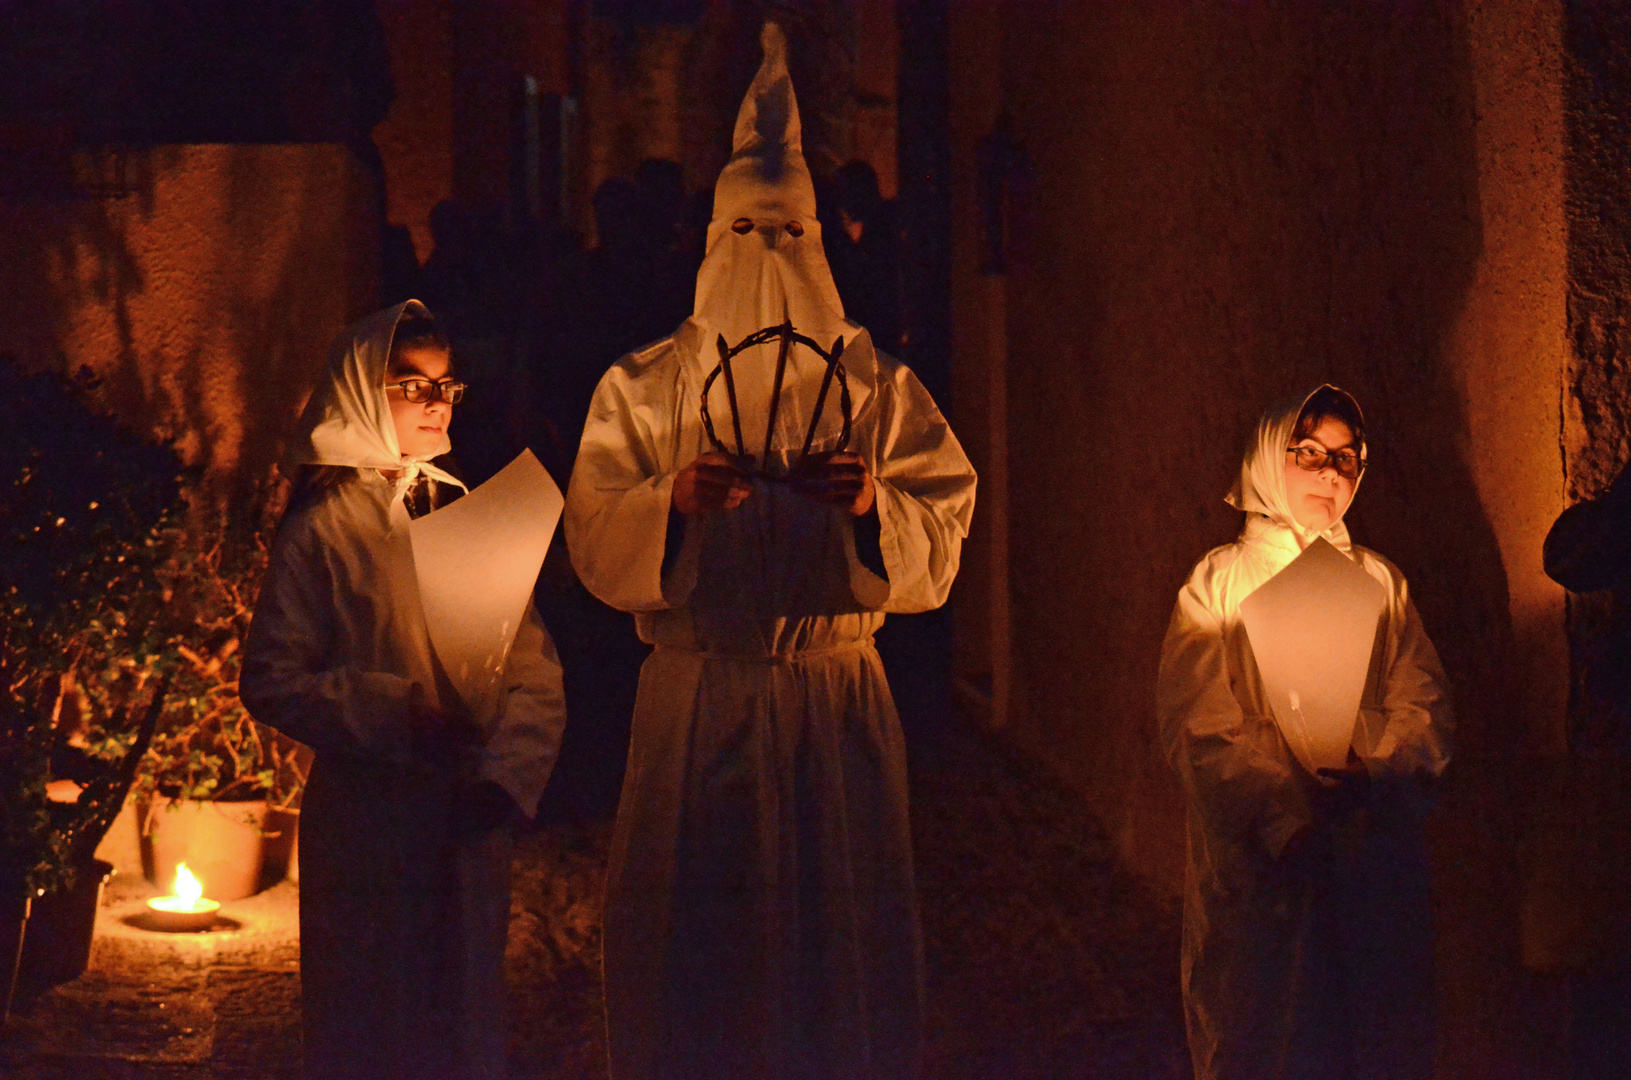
347 421
756 279
767 175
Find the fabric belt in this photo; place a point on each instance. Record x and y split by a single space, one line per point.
772 658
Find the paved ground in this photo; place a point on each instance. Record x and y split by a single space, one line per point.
1044 962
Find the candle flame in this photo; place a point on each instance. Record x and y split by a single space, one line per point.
187 886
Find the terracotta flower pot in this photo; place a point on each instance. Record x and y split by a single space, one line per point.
294 855
282 847
47 939
221 843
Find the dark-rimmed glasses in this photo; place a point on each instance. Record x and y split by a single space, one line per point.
419 391
1314 459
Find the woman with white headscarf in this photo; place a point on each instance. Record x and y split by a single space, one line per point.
761 919
405 850
1307 948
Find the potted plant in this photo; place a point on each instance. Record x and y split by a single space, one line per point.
113 585
214 782
53 823
79 500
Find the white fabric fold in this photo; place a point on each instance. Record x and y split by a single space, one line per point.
403 914
760 913
1260 486
347 420
761 278
1255 976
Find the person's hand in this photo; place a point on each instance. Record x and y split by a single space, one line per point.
482 807
437 735
1351 775
1296 844
711 482
837 479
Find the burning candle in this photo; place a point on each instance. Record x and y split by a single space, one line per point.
187 909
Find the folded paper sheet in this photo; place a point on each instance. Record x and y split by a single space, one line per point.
1312 629
477 561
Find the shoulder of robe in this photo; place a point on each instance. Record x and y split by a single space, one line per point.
1382 569
325 517
647 360
896 384
886 370
1216 569
889 367
644 377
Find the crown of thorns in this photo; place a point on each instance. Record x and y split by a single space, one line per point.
787 336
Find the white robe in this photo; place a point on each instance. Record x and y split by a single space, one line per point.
761 919
402 923
1318 965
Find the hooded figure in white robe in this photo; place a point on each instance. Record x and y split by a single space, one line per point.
761 919
404 890
1307 940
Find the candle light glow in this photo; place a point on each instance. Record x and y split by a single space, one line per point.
186 909
187 887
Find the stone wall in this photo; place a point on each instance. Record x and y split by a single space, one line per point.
204 291
671 89
415 139
1597 400
1216 206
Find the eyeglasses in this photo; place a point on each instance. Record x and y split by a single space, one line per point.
1314 459
419 391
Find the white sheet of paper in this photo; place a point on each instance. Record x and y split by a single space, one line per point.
477 560
1312 628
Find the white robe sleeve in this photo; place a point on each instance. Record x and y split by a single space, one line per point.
290 679
618 502
520 753
925 499
1415 740
1236 770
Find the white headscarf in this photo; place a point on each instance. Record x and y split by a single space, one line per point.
747 283
347 420
1260 488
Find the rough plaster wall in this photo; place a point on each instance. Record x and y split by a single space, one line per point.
1507 346
206 298
1597 405
415 139
672 90
876 78
1232 203
978 339
495 42
1575 863
1507 350
636 99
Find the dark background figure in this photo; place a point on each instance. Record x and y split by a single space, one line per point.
660 202
483 281
442 282
1589 551
634 286
862 238
398 265
695 215
861 234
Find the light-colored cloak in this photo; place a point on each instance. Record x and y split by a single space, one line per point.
1317 964
761 919
402 920
760 912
